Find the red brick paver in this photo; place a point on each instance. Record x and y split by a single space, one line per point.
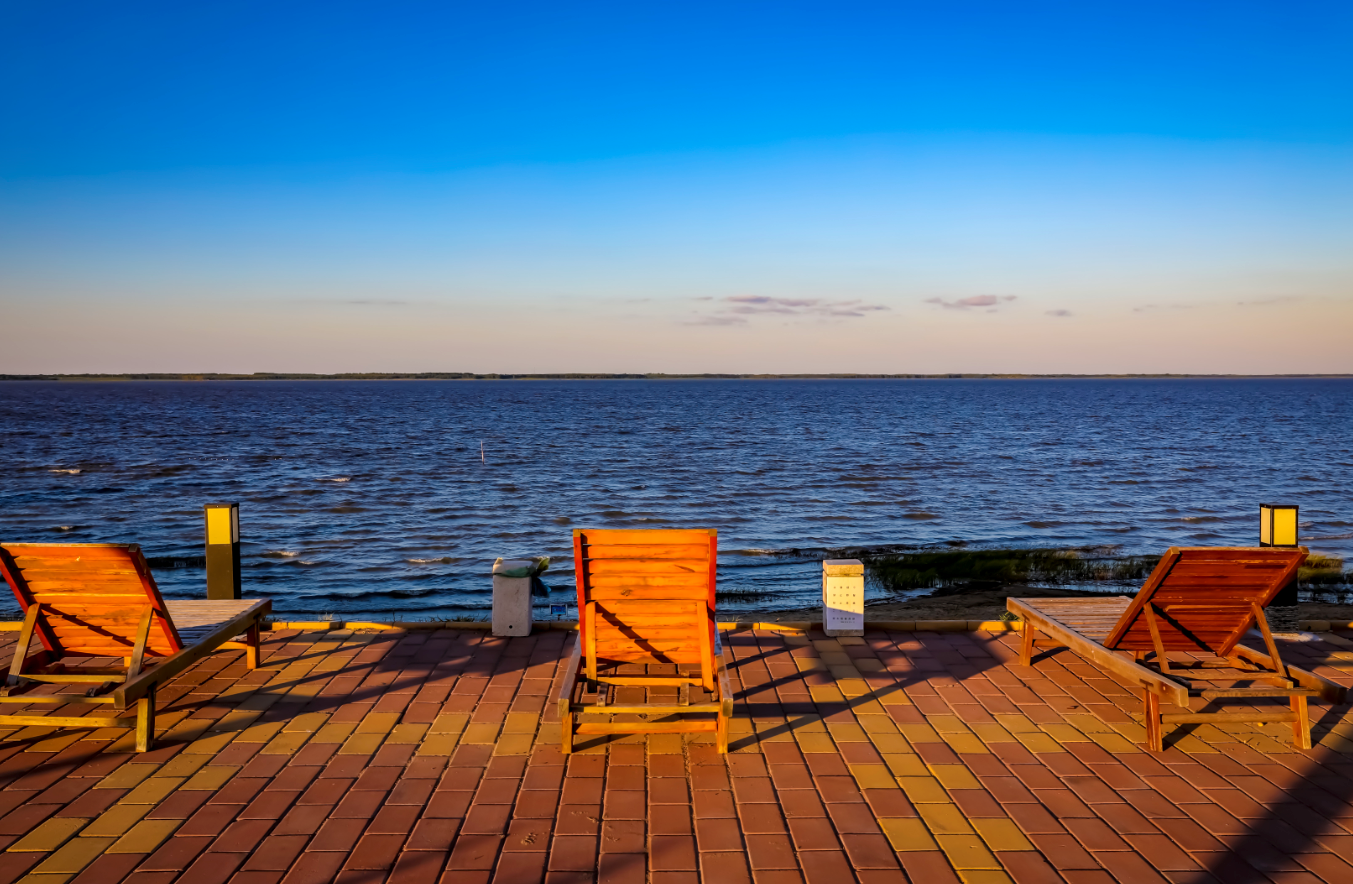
404 757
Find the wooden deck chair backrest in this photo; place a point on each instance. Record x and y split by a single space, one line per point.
1203 599
92 597
647 596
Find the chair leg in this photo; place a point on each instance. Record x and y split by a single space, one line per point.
251 651
1301 728
1026 650
721 733
1155 740
566 733
16 666
145 722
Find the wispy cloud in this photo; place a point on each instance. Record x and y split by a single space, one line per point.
354 302
990 301
1277 299
718 320
1060 313
735 309
1145 308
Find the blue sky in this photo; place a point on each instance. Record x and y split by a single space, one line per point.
777 187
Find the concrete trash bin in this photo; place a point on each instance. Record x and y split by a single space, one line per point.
512 579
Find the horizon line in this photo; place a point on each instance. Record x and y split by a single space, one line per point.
587 376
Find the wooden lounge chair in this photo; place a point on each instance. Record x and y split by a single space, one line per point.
645 597
1199 602
98 600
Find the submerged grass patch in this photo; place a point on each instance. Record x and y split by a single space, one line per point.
933 570
745 594
902 572
1321 571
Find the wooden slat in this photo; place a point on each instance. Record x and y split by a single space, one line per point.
643 568
603 592
646 680
65 721
645 727
646 709
649 613
672 651
674 582
1210 717
650 551
1221 693
646 536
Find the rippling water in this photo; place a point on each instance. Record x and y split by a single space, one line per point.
371 497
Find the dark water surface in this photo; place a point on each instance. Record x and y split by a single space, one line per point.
370 498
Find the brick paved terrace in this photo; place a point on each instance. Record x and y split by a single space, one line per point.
433 757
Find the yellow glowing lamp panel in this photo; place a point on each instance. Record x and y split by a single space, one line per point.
1277 525
223 525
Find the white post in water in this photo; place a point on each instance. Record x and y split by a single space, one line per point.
512 595
843 597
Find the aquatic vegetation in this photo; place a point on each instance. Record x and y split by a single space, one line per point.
744 594
969 567
1321 571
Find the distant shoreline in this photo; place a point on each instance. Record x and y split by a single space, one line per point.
656 376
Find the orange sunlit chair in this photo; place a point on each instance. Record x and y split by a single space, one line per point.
1198 604
646 597
85 601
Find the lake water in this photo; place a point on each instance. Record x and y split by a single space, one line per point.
371 498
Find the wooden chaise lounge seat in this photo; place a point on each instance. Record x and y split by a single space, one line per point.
1198 603
645 598
86 601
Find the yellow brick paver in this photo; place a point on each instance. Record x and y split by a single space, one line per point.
74 856
944 819
908 833
145 836
48 836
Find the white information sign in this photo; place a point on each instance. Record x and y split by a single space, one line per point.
843 597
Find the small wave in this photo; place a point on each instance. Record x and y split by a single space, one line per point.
1198 519
381 594
279 554
920 515
444 560
1045 524
338 479
70 472
64 527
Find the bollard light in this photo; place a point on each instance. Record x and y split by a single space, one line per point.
1277 525
223 550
